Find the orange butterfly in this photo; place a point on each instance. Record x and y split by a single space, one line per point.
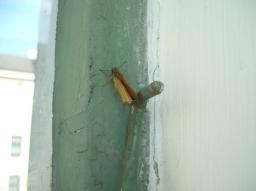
127 94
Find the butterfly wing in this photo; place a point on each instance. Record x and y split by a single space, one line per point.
121 89
129 90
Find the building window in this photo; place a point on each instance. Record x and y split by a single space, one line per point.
16 146
14 183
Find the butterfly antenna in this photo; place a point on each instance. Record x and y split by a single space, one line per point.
121 65
104 71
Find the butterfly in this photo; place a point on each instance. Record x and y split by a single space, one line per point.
126 92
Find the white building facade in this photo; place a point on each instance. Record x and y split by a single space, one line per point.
16 99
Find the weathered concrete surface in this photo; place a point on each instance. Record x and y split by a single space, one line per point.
40 159
89 120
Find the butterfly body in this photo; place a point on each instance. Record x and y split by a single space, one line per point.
126 92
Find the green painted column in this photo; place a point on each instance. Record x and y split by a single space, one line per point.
89 120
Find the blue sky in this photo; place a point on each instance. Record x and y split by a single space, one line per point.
19 23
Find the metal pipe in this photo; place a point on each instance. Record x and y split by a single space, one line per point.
144 95
148 92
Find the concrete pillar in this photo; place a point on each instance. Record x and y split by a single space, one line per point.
89 120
